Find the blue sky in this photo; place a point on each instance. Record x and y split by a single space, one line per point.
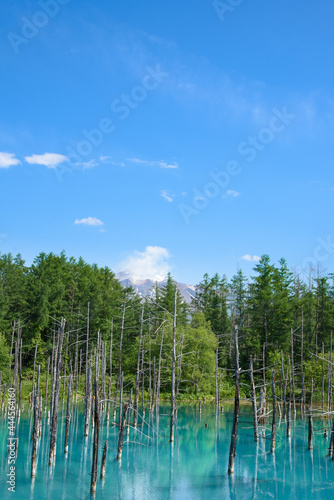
191 136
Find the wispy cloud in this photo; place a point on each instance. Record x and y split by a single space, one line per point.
166 196
89 221
159 163
111 161
231 194
249 258
152 264
49 160
8 160
88 164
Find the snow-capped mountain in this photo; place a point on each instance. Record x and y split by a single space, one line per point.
146 287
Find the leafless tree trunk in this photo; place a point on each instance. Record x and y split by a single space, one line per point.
173 398
36 425
273 430
104 456
88 397
310 421
68 415
96 439
136 402
234 435
256 432
121 433
53 438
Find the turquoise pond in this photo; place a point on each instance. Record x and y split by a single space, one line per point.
195 467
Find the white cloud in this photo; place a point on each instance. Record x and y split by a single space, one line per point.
166 196
89 221
8 160
249 258
160 164
50 160
151 264
231 194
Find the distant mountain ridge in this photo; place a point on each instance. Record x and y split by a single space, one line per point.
145 287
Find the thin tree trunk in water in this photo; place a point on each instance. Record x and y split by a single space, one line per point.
273 430
154 384
288 419
116 395
20 372
138 370
52 371
47 385
216 374
79 376
262 406
16 367
36 425
143 379
76 369
53 438
96 440
256 431
120 397
35 357
149 369
293 376
310 421
323 377
121 433
302 365
88 397
108 402
283 387
121 341
328 386
64 385
173 399
234 435
104 456
87 375
159 367
68 415
11 347
331 442
129 414
110 350
303 395
331 384
179 367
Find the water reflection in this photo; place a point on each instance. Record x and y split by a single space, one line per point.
194 467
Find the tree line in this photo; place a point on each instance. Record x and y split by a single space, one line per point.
274 310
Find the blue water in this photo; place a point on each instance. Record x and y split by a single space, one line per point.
195 467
